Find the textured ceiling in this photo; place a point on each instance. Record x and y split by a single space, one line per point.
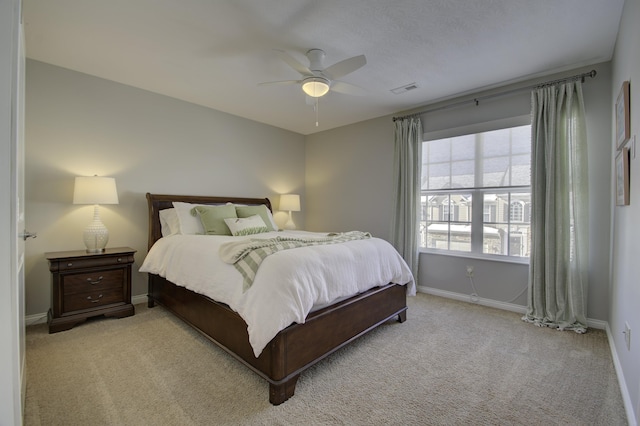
214 52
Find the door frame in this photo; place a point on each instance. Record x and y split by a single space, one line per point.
11 292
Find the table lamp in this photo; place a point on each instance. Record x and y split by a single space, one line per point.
95 190
291 203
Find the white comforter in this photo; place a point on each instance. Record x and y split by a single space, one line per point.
288 284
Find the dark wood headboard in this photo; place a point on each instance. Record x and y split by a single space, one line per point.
157 202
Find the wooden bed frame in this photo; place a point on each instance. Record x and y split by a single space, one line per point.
293 349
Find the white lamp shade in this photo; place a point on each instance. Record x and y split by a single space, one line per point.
315 86
95 190
290 202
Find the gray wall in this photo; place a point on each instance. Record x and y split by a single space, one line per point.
624 294
83 125
349 178
349 186
79 125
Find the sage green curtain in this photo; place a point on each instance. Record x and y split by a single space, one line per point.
406 187
557 293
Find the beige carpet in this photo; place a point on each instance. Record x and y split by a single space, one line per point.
451 363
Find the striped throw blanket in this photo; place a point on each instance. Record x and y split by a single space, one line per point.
247 255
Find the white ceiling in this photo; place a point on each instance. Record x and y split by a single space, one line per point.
215 52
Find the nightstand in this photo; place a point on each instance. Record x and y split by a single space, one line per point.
85 285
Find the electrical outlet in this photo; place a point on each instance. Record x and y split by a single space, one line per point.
627 335
469 270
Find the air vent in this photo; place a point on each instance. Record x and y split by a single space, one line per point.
404 88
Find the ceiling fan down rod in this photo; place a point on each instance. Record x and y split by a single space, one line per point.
316 59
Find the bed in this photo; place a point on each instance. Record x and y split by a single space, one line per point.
293 349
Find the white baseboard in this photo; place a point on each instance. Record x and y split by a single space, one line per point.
477 300
593 323
35 319
626 398
136 300
42 317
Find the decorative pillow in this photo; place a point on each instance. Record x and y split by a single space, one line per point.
262 211
213 218
246 226
169 223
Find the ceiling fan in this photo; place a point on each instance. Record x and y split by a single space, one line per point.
317 80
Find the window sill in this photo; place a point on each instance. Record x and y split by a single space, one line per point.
465 255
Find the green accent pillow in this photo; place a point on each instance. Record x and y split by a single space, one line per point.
261 210
212 218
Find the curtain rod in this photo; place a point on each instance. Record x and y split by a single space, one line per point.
477 100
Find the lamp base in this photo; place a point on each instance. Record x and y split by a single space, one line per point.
290 225
96 250
95 238
96 235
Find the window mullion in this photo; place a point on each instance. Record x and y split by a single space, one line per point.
509 226
477 219
477 207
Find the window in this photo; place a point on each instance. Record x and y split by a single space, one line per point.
476 194
516 213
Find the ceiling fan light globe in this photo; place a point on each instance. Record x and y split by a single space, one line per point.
315 87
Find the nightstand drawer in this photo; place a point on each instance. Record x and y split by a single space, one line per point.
93 281
93 262
79 301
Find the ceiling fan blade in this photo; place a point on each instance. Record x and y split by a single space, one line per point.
293 63
347 89
345 67
270 83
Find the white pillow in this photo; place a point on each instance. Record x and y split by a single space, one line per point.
169 223
189 224
246 226
272 220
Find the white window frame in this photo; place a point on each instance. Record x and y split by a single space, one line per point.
478 194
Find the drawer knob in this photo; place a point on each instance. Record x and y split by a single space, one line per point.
119 259
69 264
94 282
94 300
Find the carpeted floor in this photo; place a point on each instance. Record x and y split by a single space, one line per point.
450 363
